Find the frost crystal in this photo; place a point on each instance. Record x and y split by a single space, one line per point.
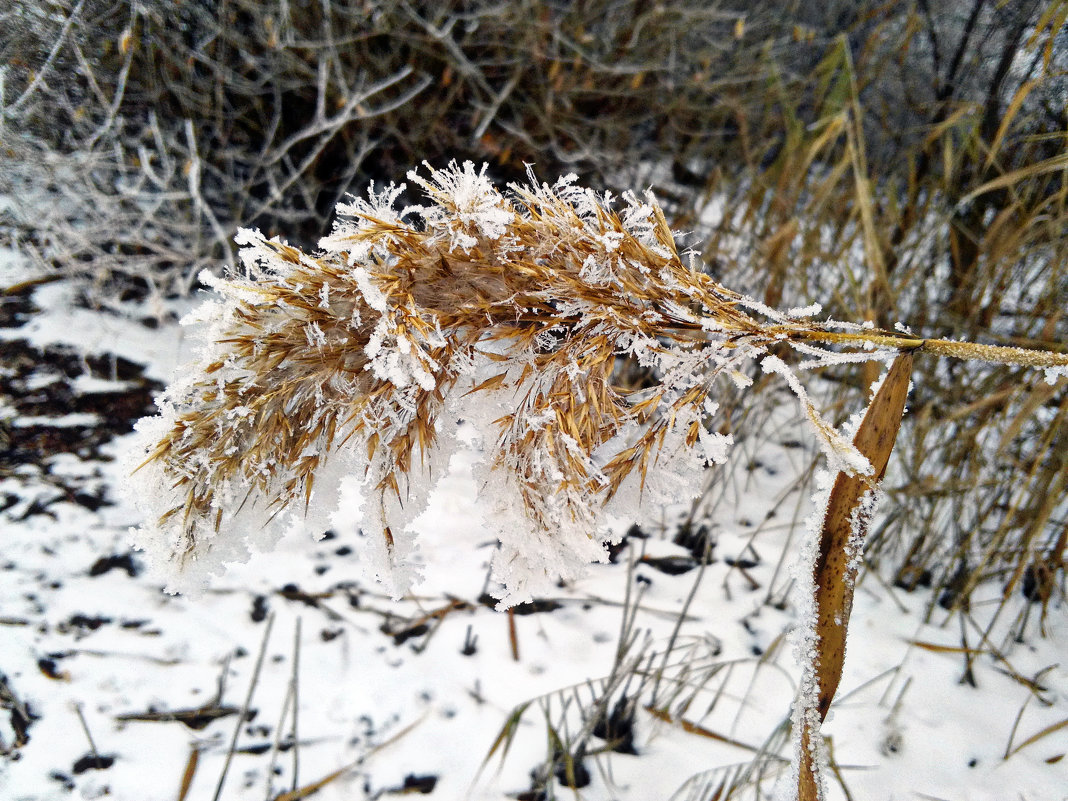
1055 373
512 311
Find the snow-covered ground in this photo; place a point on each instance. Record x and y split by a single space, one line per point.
111 688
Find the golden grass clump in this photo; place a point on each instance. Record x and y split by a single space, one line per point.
511 312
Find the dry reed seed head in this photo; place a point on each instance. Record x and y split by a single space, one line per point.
508 311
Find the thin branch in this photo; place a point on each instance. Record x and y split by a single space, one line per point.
39 76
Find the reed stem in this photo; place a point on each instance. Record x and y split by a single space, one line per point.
999 354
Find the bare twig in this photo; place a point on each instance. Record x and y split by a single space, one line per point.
244 709
295 693
88 735
39 76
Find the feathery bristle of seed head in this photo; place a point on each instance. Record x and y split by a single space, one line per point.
509 310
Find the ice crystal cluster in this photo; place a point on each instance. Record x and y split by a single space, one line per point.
510 310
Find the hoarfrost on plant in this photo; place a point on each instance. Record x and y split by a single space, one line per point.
511 311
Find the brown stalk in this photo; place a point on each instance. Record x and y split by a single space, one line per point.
694 728
835 570
189 772
998 354
513 635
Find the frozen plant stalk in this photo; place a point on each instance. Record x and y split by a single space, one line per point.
829 565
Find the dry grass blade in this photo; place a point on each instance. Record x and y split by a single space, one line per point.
294 684
312 788
833 572
1053 17
506 735
244 708
1034 738
1039 395
1010 113
938 648
1011 179
21 287
701 731
513 636
88 735
189 772
844 525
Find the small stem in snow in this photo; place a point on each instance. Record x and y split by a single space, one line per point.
243 714
88 736
513 637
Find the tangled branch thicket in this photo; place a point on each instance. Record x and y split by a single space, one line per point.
139 136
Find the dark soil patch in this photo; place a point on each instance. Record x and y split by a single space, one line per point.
39 382
670 565
697 540
85 622
260 607
93 762
20 716
534 607
125 561
63 779
16 308
418 784
49 668
617 729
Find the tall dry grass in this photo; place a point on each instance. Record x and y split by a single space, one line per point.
957 231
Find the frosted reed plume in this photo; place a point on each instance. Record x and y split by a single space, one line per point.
510 311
